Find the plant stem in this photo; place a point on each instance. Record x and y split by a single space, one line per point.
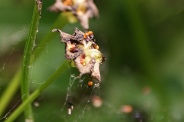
37 92
9 92
60 22
28 51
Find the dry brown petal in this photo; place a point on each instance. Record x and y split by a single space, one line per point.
83 69
84 21
64 37
96 71
92 11
83 10
81 48
59 6
92 8
73 53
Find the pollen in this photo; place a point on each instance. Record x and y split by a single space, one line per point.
96 46
72 47
90 33
68 2
90 83
82 60
87 34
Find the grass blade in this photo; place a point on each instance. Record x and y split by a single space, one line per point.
60 22
37 92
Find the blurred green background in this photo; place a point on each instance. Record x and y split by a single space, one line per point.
143 42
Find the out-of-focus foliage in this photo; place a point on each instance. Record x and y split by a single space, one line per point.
143 41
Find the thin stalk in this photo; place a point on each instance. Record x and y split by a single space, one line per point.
9 92
60 22
64 66
28 51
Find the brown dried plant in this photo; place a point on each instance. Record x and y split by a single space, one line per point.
82 49
82 9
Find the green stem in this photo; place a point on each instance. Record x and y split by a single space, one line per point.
9 92
37 92
28 51
60 22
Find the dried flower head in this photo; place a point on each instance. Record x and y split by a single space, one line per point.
82 49
82 9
